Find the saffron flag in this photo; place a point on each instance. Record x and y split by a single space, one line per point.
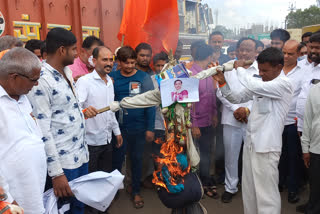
150 21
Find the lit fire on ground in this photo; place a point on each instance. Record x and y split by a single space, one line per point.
168 157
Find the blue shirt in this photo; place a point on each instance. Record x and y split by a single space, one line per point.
134 120
60 118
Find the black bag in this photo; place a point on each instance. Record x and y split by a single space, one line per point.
191 194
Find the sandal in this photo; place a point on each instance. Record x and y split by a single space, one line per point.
211 192
137 203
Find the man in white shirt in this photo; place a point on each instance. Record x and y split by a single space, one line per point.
23 160
234 126
261 152
290 166
311 148
310 82
311 77
96 89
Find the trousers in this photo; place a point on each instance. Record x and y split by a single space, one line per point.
232 139
205 144
290 166
260 178
134 144
313 206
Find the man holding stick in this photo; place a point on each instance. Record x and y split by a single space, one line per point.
271 101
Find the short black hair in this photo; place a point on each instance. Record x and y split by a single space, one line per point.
160 56
96 51
259 44
43 48
125 53
306 34
143 46
33 44
281 34
245 39
197 43
273 56
315 37
301 45
203 51
58 37
177 81
231 48
91 40
215 33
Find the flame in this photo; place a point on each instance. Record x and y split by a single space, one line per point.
169 151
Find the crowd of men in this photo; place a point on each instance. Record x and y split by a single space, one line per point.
257 125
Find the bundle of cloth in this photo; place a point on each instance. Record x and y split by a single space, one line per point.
182 191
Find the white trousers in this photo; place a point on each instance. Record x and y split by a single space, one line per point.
232 140
260 178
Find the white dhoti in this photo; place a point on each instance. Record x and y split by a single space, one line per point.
260 178
232 140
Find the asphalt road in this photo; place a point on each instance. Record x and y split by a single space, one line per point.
153 205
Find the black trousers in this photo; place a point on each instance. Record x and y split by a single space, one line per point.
314 179
100 158
291 163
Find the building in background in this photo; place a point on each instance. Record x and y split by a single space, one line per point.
195 19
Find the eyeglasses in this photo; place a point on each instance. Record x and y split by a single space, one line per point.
25 76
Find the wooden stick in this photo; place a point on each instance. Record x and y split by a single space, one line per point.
103 109
122 40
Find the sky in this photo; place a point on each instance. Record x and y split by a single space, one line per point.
244 13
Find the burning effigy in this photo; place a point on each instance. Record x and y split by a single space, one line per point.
179 187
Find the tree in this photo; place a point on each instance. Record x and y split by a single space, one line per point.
301 18
227 33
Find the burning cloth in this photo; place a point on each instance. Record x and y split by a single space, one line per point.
179 188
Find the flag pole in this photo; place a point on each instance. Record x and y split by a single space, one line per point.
122 40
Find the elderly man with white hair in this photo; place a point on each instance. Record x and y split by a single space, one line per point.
23 159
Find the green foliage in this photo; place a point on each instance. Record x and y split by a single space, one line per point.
301 18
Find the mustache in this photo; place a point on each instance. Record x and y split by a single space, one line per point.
108 66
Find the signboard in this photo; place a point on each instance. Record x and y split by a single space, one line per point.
263 36
251 36
2 24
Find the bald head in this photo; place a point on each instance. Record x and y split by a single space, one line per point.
290 52
292 44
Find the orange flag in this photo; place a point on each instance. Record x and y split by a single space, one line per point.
150 21
162 24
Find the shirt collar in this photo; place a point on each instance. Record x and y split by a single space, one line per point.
3 93
254 65
97 77
67 70
292 71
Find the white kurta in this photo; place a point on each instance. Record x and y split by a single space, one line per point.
23 165
234 131
271 102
